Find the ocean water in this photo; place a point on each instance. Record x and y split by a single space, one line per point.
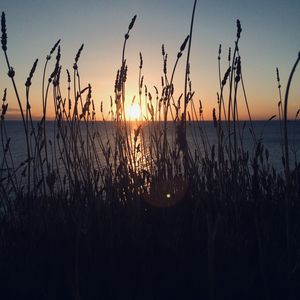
269 133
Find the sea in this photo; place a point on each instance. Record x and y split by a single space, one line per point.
269 133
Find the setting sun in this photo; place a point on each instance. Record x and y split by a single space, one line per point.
133 112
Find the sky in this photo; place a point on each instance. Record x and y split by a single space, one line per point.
270 38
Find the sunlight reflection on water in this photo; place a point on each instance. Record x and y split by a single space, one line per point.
140 136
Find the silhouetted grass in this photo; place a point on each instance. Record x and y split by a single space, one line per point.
131 212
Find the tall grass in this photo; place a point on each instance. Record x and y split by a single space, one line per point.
132 211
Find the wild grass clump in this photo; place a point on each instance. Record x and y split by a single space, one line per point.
110 208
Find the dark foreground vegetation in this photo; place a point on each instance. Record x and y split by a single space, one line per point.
132 213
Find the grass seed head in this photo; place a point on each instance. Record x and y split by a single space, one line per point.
238 69
226 76
141 60
4 109
239 28
214 118
3 30
69 76
165 64
184 43
278 78
75 67
4 95
229 54
132 23
54 48
4 105
29 78
163 50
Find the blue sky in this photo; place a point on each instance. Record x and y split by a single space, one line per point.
270 39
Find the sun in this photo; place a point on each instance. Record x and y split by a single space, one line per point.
133 112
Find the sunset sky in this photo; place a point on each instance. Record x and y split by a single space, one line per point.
270 38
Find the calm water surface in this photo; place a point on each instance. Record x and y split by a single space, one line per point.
268 132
